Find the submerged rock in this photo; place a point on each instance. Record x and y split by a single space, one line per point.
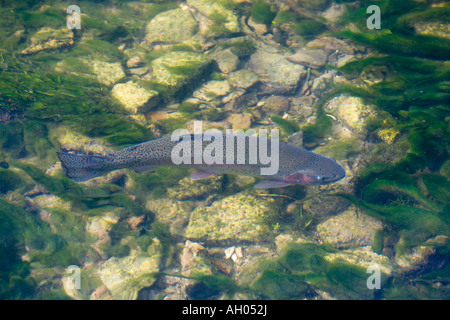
49 39
172 212
351 111
134 98
212 89
433 28
177 69
108 73
418 257
275 105
226 60
350 228
173 26
280 76
363 257
240 121
243 78
72 140
193 189
124 277
219 16
312 58
238 217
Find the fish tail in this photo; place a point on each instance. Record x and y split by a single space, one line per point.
82 167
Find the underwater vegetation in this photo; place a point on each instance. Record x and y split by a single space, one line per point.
410 196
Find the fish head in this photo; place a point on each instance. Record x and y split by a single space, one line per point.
321 170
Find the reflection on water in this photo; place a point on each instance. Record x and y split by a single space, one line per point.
373 99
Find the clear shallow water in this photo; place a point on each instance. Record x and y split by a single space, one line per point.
374 100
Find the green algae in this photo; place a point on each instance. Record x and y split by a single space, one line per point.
288 126
378 242
262 12
214 283
49 96
344 148
409 195
417 46
243 48
18 230
308 27
280 286
187 107
302 270
9 180
313 5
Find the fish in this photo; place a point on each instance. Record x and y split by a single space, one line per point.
212 154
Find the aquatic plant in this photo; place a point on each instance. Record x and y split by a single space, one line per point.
262 12
302 270
289 126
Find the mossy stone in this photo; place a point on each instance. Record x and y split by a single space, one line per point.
173 26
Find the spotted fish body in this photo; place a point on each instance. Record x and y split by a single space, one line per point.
295 165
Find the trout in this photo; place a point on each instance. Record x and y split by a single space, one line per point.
278 163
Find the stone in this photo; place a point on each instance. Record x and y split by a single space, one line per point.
173 26
108 73
279 75
275 105
418 257
134 98
243 78
176 69
189 255
320 207
312 58
350 228
188 188
72 140
351 111
240 121
49 39
217 13
125 277
363 257
259 28
139 71
239 217
226 60
433 28
172 212
331 44
135 62
212 89
334 12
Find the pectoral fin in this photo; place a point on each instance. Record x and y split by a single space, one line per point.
197 174
272 184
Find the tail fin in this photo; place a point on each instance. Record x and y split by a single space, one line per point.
82 167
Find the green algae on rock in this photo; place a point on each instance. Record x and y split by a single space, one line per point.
49 39
242 216
173 26
349 229
134 98
278 74
176 72
194 189
220 14
308 270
